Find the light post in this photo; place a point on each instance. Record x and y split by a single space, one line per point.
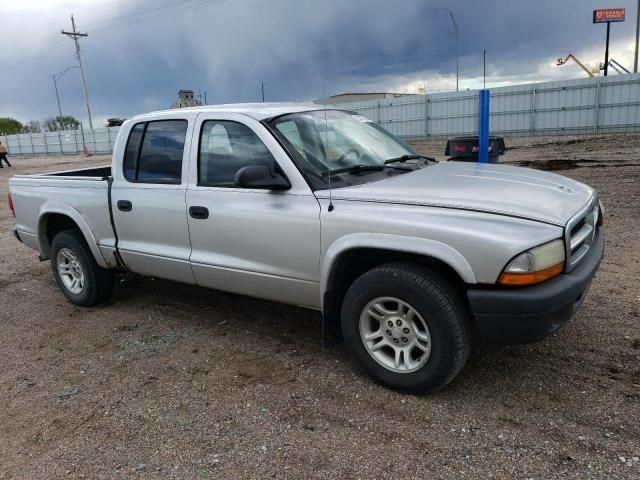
455 27
56 77
635 57
608 15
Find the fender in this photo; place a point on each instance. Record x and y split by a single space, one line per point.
53 208
399 243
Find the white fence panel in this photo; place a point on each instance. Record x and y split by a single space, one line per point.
66 142
589 105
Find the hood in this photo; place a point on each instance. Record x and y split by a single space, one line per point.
501 189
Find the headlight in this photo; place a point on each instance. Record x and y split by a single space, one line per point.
535 265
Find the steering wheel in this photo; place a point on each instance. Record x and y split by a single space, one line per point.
347 153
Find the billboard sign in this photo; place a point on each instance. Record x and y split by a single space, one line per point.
604 15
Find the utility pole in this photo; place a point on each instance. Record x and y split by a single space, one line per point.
455 27
75 35
262 87
635 57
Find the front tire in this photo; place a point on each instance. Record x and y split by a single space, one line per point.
76 271
407 327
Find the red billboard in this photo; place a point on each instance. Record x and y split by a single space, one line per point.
604 15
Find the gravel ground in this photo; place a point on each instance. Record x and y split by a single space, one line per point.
172 381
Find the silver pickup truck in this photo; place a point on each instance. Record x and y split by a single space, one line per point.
409 260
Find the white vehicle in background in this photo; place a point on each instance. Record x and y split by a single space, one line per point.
409 260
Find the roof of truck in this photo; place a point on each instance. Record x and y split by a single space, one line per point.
259 111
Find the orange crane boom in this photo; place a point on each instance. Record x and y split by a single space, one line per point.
571 56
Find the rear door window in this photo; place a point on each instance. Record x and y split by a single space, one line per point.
156 157
131 152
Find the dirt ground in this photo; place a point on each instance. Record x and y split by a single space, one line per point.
172 381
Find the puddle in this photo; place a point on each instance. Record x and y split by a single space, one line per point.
569 164
551 165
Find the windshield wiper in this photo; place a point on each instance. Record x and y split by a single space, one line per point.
354 169
403 158
375 168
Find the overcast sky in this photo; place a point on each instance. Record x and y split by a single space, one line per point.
139 53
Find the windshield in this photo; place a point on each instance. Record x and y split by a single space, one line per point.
336 143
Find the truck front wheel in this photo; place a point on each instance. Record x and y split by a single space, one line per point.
407 327
76 272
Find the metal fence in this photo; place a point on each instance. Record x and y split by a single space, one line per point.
584 106
590 105
66 142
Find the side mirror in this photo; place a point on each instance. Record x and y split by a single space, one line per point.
259 176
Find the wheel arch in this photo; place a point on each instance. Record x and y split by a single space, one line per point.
54 219
349 257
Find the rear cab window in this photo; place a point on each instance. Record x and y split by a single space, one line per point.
154 152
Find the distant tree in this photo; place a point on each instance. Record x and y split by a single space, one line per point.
10 126
66 122
32 127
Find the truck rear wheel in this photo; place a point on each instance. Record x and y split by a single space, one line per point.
407 327
76 272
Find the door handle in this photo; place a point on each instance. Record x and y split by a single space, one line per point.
125 205
200 213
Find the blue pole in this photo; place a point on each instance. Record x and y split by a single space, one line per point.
483 126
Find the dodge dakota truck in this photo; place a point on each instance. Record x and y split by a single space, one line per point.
409 260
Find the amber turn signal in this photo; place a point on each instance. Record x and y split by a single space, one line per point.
530 278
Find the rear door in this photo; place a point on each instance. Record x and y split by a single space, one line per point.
149 198
255 242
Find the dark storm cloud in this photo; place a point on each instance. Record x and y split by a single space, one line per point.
227 49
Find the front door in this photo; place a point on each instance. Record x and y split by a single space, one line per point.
256 242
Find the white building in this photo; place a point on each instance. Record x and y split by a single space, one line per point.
357 97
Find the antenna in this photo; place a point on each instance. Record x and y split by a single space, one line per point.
323 54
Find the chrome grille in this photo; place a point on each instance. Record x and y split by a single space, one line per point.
580 232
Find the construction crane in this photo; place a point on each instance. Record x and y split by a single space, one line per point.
572 56
616 66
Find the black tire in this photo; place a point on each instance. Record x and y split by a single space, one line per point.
98 282
440 306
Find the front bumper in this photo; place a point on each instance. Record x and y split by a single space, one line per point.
524 315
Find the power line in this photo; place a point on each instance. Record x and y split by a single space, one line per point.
35 46
160 15
31 56
143 12
29 53
53 35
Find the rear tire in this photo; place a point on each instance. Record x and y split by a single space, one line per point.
407 327
76 271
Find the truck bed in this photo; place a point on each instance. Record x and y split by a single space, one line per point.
80 194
